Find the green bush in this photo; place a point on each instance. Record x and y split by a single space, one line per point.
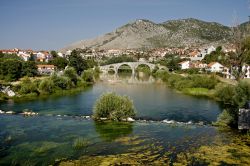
88 75
225 94
61 82
113 107
27 86
47 86
70 72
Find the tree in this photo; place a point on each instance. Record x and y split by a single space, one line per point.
60 62
238 62
13 69
54 54
71 74
29 69
77 62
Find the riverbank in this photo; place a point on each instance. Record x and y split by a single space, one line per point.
55 85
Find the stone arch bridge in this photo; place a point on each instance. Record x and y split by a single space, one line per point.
133 65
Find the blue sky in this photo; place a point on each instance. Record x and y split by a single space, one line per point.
52 24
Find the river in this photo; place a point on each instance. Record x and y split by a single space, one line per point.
59 133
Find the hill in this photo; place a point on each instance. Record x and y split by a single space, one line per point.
147 34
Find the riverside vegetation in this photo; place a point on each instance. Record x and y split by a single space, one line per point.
77 75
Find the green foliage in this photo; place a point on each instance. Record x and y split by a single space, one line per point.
59 62
29 69
77 62
71 74
47 86
242 94
226 118
27 86
113 107
191 71
172 62
143 68
225 93
233 98
88 75
119 59
54 54
62 82
11 69
193 81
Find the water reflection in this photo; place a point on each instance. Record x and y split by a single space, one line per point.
110 131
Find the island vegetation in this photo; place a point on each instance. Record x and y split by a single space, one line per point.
113 107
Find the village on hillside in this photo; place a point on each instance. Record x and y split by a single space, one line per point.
189 58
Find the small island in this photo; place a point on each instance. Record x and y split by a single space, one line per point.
111 106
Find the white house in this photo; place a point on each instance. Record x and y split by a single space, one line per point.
60 54
46 69
210 49
215 67
198 56
24 55
185 65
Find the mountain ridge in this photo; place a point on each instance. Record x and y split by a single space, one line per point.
145 34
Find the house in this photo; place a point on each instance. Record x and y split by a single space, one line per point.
198 56
199 65
215 67
24 55
185 65
46 69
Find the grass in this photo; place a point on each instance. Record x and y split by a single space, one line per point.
198 92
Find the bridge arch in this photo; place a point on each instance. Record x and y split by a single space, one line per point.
150 66
124 64
132 65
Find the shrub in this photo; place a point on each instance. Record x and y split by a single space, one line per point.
225 94
113 107
61 82
71 74
47 86
224 119
27 86
88 75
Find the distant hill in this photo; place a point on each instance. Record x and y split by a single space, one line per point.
147 34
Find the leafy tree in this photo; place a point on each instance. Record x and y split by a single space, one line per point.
29 69
77 62
13 69
1 54
88 75
119 59
59 62
32 57
54 54
171 61
61 82
71 74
